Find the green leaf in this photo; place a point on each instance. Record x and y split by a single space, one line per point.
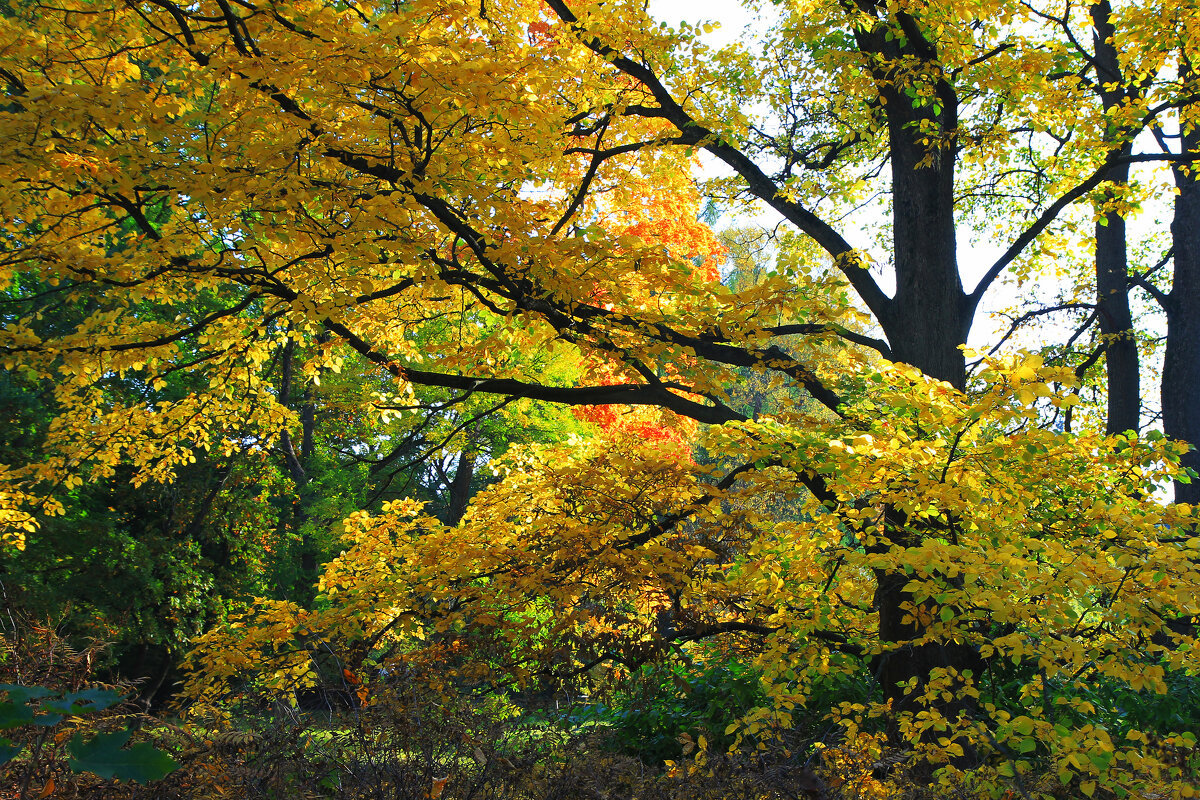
8 750
14 715
85 702
47 720
23 694
104 756
16 710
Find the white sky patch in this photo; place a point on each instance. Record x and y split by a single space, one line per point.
733 23
732 17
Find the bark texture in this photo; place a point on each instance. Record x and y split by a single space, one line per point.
1112 264
1181 364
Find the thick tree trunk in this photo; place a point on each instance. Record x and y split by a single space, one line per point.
1112 266
1181 364
928 327
927 323
459 490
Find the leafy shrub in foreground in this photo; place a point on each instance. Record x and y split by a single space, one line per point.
40 712
670 703
50 734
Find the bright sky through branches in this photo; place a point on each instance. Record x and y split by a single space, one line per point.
731 14
733 22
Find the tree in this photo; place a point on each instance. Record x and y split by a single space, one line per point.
1133 85
1181 360
1116 93
923 72
140 569
368 180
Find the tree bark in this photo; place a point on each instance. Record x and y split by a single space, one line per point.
459 490
1181 363
298 465
1123 370
928 319
926 322
1122 365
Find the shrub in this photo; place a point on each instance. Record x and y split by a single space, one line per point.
52 733
670 704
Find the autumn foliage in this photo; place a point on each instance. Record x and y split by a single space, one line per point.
331 270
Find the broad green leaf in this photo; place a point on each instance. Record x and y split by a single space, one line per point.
23 694
14 714
84 702
106 756
8 750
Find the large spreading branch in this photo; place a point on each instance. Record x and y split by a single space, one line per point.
504 281
620 394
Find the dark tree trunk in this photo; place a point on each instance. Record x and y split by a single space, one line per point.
298 464
928 319
1116 323
1112 267
928 326
1181 364
926 323
459 490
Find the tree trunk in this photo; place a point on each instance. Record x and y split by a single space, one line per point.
928 319
298 464
308 427
459 490
926 323
928 327
1181 364
1112 267
1116 323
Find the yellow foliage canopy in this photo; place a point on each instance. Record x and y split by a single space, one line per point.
425 192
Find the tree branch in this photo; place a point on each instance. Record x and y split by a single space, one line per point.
760 185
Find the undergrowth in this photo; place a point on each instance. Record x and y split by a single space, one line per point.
415 735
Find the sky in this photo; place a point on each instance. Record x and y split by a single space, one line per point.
731 14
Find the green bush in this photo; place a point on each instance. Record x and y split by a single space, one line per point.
667 701
38 713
